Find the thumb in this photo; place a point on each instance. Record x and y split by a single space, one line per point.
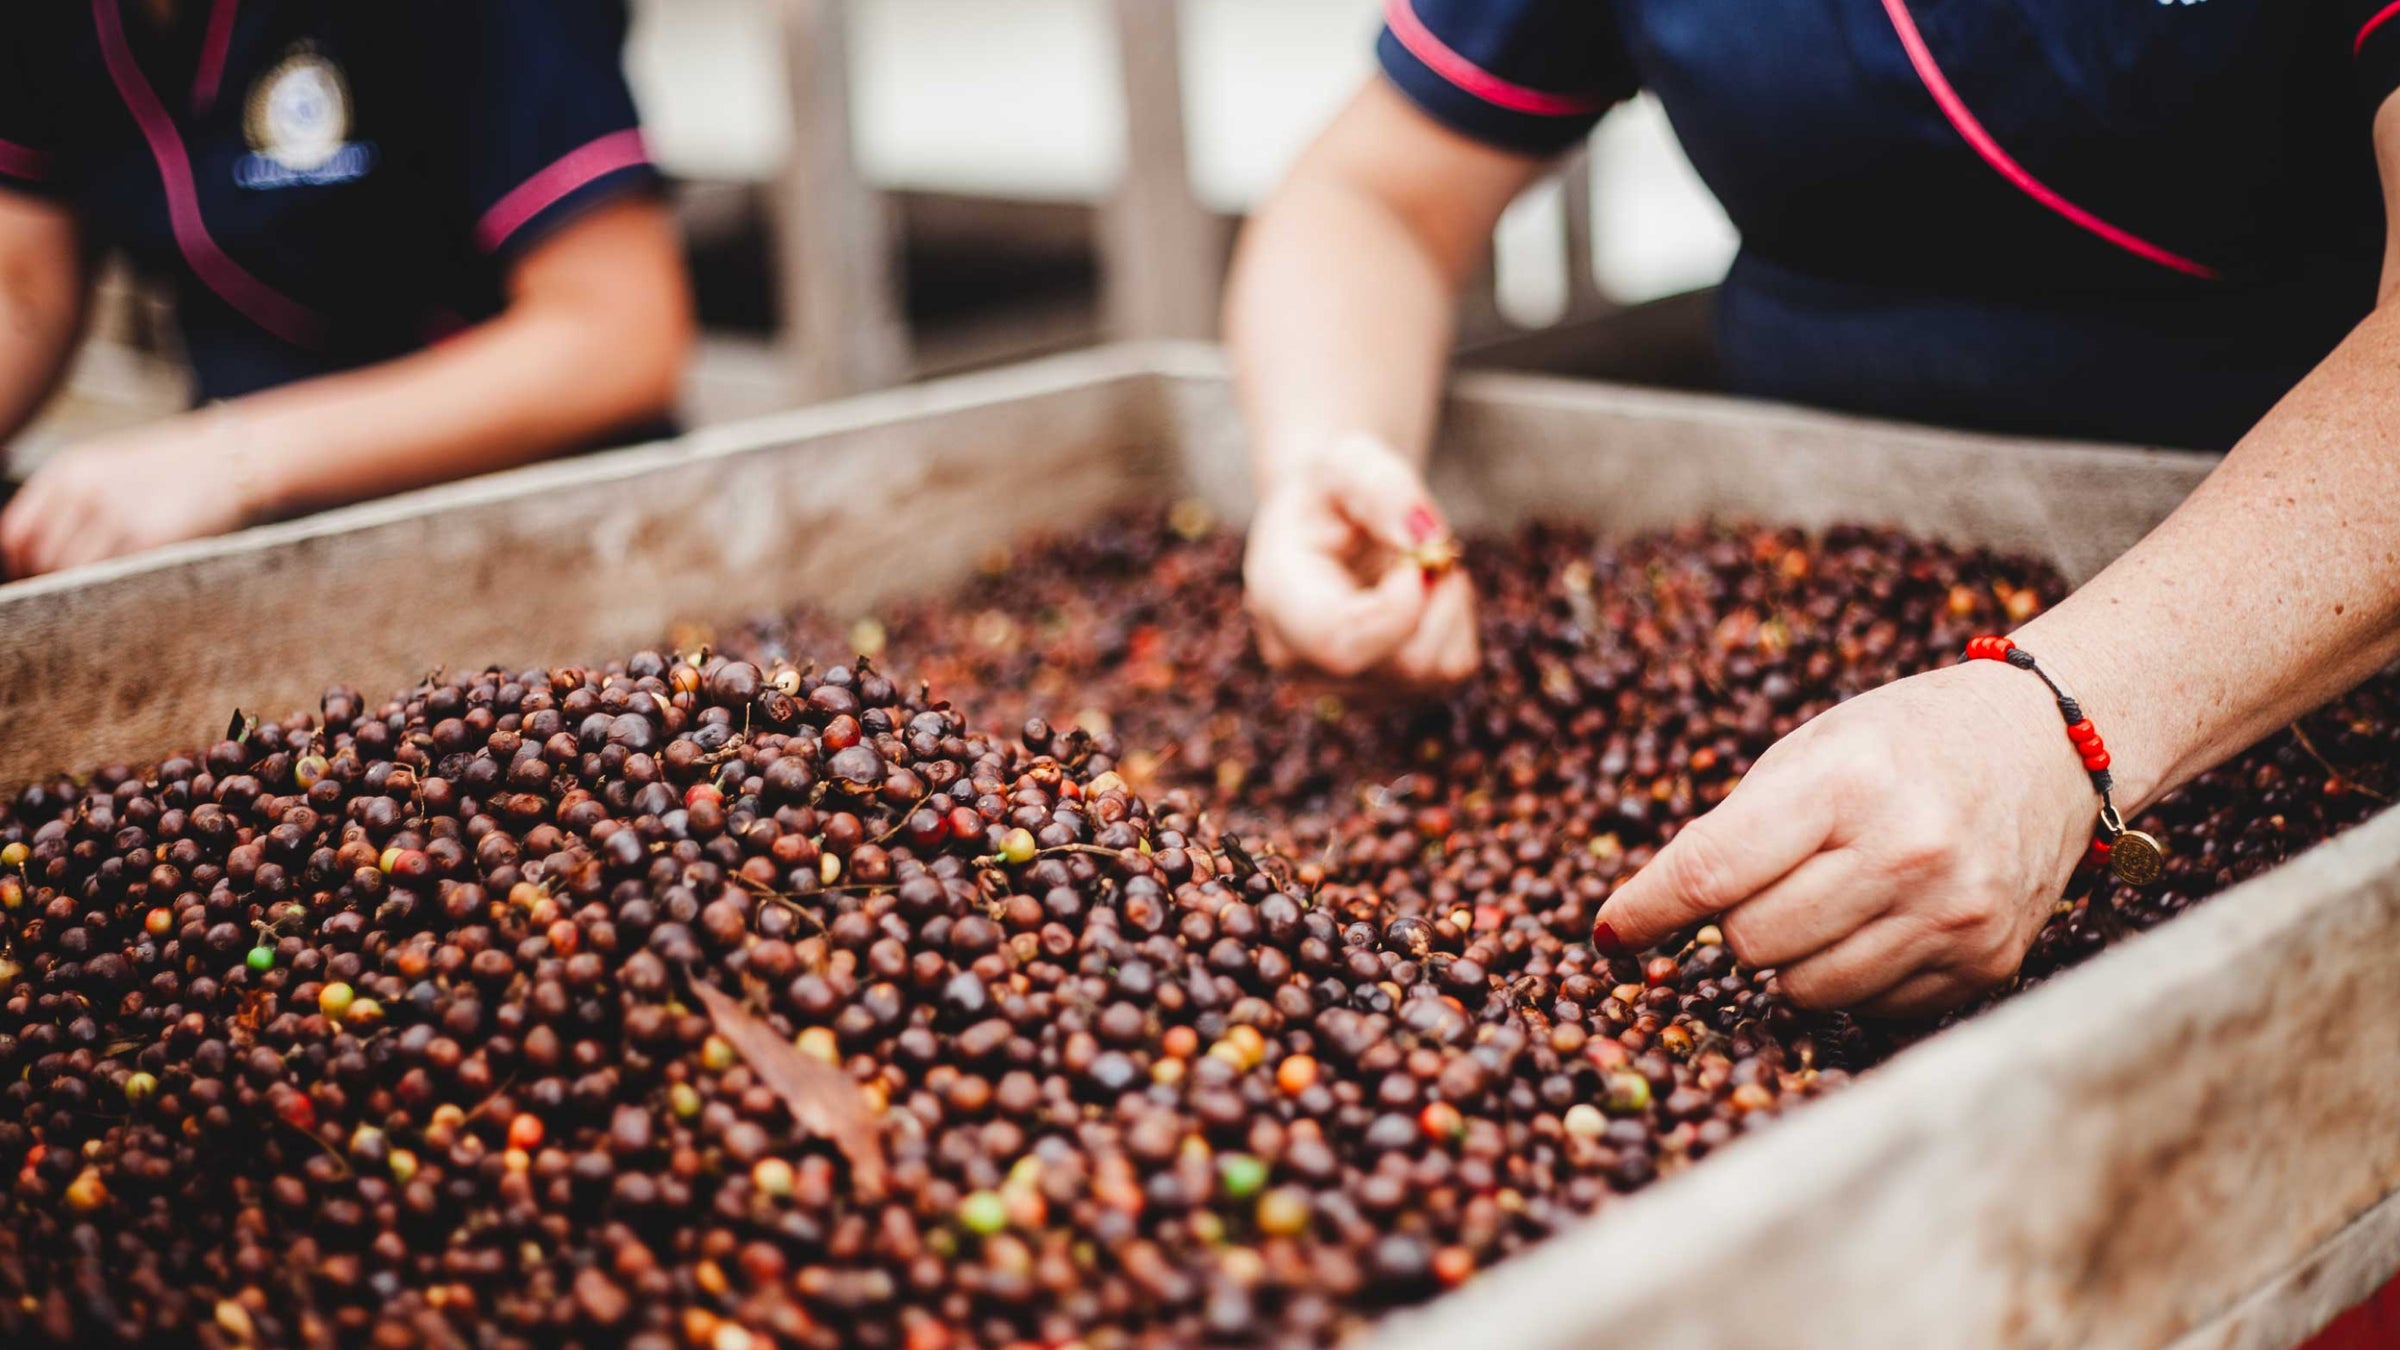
1382 494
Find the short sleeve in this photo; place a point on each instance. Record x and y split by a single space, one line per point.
1526 75
2372 28
550 125
28 148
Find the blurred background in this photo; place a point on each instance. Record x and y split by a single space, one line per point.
874 191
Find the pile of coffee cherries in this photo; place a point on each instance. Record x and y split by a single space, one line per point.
1186 1004
1626 686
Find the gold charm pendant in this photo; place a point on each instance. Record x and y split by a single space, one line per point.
2136 858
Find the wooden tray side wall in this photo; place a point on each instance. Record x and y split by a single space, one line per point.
2191 1138
840 506
1626 460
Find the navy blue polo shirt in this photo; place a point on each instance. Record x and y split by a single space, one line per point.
327 185
2141 220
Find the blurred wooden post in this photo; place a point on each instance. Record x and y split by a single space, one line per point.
1161 250
1583 274
837 268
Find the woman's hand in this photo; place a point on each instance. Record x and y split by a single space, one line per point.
1898 853
1357 509
187 477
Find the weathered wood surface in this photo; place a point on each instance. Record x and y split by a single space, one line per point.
1637 459
842 505
839 505
2189 1141
2337 1275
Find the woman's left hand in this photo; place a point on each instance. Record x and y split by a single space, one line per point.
187 477
1897 853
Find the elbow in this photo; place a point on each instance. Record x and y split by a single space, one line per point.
613 301
632 354
671 342
660 337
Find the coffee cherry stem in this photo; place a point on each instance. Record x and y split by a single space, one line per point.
993 860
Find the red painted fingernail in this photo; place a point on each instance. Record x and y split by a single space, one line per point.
1423 524
1605 940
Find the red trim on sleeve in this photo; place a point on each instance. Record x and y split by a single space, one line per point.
2382 16
212 55
1955 108
1401 17
575 169
2372 1325
265 306
23 161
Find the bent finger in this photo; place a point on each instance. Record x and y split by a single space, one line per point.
1814 906
1428 656
98 539
1773 822
1327 619
1464 652
16 528
1867 964
1272 649
1921 996
59 517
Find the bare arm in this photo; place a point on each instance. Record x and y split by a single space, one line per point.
43 293
598 327
596 332
2277 585
1903 849
1339 315
1342 298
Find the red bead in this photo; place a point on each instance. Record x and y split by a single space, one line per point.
2083 732
2096 760
2096 855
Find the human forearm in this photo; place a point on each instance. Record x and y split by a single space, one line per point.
594 339
42 302
1901 851
1339 322
1339 315
514 390
2275 587
1342 300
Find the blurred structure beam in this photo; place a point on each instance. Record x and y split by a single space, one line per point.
836 254
1583 276
1162 253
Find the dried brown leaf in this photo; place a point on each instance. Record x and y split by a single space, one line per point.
827 1102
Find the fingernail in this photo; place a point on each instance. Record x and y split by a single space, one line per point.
1423 524
1605 940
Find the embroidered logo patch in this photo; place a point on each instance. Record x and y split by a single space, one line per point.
298 123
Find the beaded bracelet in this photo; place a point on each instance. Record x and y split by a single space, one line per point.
2131 856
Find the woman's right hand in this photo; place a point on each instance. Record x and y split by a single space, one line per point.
1331 579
